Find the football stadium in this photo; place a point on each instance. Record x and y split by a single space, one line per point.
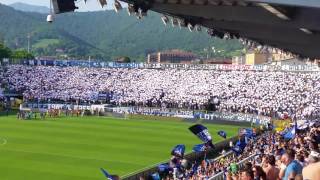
245 108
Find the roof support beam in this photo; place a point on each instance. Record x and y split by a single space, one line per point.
301 3
252 14
295 36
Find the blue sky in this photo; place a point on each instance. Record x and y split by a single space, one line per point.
92 5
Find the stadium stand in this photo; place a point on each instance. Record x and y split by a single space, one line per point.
269 156
286 154
273 94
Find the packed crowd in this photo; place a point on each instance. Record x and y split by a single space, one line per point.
266 93
1 88
274 158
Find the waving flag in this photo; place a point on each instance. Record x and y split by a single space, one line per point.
292 132
242 143
155 176
247 132
202 132
163 167
199 148
239 147
222 134
178 150
237 150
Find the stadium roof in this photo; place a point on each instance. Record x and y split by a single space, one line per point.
291 25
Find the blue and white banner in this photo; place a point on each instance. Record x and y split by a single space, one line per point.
237 150
247 132
237 117
199 148
222 134
291 133
202 132
219 67
163 167
178 150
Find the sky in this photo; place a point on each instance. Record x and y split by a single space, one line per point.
92 5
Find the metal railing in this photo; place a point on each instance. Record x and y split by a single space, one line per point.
190 157
221 176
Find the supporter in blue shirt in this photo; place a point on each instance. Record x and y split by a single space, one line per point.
293 168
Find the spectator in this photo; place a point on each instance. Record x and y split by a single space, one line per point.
259 174
312 171
272 172
293 167
246 174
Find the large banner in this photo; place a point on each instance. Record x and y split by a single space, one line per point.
237 117
221 67
61 106
188 114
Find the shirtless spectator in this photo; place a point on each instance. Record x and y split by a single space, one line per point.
270 169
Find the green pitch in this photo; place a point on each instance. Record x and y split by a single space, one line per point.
71 148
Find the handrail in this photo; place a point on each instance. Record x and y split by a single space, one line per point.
147 171
220 175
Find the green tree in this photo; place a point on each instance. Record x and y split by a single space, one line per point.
123 59
4 52
126 59
21 54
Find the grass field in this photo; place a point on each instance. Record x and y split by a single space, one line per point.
70 148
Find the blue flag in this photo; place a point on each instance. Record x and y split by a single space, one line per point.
291 133
178 150
163 167
106 174
194 169
199 148
237 150
285 131
242 143
247 132
222 134
202 132
155 176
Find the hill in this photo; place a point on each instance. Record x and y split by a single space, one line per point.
30 8
103 34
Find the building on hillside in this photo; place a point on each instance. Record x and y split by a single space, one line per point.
291 62
239 60
255 58
281 56
171 56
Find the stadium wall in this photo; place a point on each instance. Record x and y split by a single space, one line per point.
221 122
